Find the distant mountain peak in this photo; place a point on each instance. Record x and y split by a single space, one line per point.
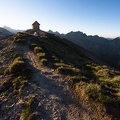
12 30
117 38
4 32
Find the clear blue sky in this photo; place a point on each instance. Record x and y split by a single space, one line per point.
93 17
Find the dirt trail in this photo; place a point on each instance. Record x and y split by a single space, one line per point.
53 94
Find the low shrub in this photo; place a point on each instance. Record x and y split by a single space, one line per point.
18 84
26 114
19 41
6 71
27 110
104 99
20 38
92 90
41 56
16 66
44 61
38 49
59 64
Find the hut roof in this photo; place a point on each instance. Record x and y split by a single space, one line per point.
35 23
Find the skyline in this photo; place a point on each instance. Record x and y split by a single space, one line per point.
93 17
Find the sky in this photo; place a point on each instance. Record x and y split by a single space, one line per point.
93 17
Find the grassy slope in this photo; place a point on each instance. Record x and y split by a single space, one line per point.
96 84
89 81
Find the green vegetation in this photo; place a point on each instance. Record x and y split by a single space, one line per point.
41 55
21 38
18 84
19 72
94 91
98 82
27 110
39 51
16 66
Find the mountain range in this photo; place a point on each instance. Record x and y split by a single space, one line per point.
106 49
4 32
12 30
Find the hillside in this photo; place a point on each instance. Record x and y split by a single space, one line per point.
45 77
4 32
107 50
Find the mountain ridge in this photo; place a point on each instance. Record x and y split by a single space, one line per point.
106 49
12 30
4 32
42 74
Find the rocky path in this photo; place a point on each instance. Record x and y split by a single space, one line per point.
54 96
